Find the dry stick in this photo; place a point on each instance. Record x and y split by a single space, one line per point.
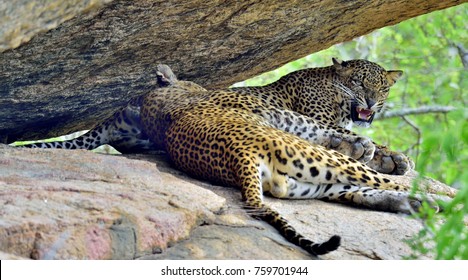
414 111
418 132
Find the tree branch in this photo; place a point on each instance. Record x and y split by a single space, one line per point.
418 132
463 55
414 111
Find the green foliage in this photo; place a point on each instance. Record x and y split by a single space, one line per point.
444 236
430 50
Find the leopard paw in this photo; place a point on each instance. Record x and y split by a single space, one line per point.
357 147
436 202
410 205
390 162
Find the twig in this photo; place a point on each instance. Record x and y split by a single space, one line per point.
418 132
463 55
414 111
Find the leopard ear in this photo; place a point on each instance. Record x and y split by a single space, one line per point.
393 76
337 62
342 67
165 75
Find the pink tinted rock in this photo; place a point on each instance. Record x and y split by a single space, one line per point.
59 204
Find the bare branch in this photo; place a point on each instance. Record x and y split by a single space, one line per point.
414 111
418 132
463 55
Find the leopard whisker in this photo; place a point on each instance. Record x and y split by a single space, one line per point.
344 89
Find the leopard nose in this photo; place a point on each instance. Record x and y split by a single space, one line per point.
370 103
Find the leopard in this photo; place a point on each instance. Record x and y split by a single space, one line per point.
334 97
344 94
262 145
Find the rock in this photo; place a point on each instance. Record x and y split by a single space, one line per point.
7 256
22 19
59 204
77 73
75 204
365 234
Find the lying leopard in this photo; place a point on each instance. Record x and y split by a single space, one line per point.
334 98
243 140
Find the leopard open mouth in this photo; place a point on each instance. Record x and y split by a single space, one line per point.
359 114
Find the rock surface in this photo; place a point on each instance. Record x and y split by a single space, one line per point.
81 205
20 20
62 204
77 73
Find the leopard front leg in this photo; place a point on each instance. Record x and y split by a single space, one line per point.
355 146
361 148
346 142
382 159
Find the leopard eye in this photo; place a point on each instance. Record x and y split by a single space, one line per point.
357 83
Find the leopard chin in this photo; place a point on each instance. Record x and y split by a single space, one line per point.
362 124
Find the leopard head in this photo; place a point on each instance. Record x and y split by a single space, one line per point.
167 78
366 85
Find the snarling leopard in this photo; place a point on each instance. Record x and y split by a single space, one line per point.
336 97
259 140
